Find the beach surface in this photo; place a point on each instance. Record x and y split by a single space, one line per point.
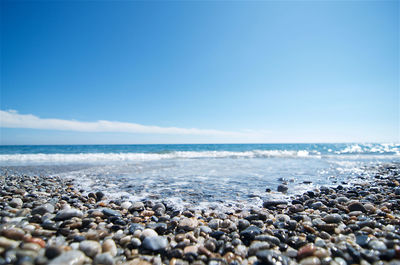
50 220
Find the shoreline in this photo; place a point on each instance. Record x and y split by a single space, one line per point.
46 220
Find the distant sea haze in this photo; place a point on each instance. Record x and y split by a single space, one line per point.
201 174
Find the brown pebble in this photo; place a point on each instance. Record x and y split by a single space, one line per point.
190 249
14 233
309 229
147 213
36 240
305 251
203 250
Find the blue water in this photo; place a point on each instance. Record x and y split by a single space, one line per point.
324 149
201 175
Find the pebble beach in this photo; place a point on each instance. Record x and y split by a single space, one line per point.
47 220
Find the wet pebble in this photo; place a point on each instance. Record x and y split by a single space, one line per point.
155 243
90 248
72 257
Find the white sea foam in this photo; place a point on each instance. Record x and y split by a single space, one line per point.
371 149
127 157
354 149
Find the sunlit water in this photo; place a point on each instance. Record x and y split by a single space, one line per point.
201 175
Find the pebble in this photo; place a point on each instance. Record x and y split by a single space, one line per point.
56 224
137 206
110 247
333 218
14 233
16 203
305 251
72 257
250 232
68 214
126 205
52 252
271 257
8 243
282 188
205 229
310 261
109 212
147 233
377 245
90 247
43 209
272 203
356 206
155 243
104 259
188 224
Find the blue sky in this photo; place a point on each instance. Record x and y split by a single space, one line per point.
199 72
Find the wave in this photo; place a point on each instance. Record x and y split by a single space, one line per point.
115 157
388 148
315 151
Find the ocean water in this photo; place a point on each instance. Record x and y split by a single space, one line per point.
201 175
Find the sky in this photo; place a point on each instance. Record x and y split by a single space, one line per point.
139 72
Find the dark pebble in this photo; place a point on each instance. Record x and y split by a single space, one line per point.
52 252
250 232
270 257
109 212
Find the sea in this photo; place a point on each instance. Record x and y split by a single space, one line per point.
202 175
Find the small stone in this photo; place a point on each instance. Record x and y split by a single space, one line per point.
43 209
342 199
52 252
210 245
190 249
333 218
68 214
109 212
243 224
137 207
147 233
305 251
14 233
31 247
90 247
320 242
205 229
356 206
272 203
99 195
155 243
126 205
8 243
377 245
16 203
257 246
282 188
310 261
72 257
104 259
110 247
370 207
214 224
188 224
135 242
134 227
272 257
317 205
36 240
250 232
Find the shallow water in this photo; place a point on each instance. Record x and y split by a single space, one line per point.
201 175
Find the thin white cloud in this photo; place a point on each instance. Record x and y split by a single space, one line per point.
12 119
